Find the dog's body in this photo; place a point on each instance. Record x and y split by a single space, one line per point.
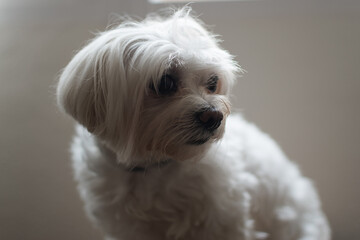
243 188
151 165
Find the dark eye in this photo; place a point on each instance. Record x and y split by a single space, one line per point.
212 84
166 86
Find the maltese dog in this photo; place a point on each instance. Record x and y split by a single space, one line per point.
157 154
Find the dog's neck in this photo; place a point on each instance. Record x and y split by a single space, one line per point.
137 165
148 167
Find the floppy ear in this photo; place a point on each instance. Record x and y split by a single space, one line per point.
82 89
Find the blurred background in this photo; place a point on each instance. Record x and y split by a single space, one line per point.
302 86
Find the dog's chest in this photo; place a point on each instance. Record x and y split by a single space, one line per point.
182 204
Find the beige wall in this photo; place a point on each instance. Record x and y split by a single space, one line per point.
302 87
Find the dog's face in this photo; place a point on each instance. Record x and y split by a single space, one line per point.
183 112
155 89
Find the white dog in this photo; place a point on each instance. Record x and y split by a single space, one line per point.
157 155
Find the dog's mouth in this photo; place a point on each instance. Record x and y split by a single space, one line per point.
198 141
200 138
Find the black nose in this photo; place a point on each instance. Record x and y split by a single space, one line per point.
210 118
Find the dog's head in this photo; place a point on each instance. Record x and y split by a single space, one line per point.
155 89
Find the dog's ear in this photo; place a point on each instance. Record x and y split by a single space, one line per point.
82 89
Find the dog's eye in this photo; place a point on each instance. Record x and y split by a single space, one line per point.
166 86
212 84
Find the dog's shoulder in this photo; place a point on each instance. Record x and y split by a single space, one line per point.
245 137
246 148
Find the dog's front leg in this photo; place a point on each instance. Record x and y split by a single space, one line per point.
296 212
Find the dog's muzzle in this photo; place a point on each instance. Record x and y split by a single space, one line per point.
210 119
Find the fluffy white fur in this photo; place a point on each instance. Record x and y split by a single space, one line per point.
230 183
